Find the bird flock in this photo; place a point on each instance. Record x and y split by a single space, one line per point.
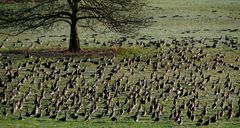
182 81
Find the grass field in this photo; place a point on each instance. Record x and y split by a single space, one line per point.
185 65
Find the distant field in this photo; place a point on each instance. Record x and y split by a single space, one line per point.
187 62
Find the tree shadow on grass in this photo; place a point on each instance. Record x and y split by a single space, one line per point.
88 52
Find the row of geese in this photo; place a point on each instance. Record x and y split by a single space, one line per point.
182 83
227 41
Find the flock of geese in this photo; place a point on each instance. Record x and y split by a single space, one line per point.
182 82
32 44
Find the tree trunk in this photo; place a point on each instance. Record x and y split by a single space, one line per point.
74 45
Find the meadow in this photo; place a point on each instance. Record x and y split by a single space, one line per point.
183 71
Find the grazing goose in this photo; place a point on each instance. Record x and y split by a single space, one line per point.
122 111
38 115
5 112
214 119
88 117
204 112
144 113
114 119
136 117
20 116
27 114
99 116
192 117
64 39
48 110
53 116
84 113
64 118
207 122
157 118
200 121
215 104
113 112
38 41
74 116
6 39
230 113
179 120
237 114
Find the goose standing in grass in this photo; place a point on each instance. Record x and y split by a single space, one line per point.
64 118
114 118
38 115
6 39
5 112
88 117
53 115
136 117
20 116
38 41
207 122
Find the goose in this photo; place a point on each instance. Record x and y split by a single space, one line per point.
154 115
184 105
64 118
27 113
2 45
114 119
38 41
207 122
237 59
149 62
53 116
64 39
88 117
144 112
237 114
214 105
230 113
84 113
6 39
38 115
200 120
221 113
113 112
136 117
204 112
130 108
5 112
100 115
122 111
19 41
157 118
192 117
4 100
179 120
20 116
48 110
171 116
74 115
14 107
189 113
213 119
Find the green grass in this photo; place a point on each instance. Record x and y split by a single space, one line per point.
33 123
172 19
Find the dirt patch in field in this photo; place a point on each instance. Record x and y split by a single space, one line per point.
91 52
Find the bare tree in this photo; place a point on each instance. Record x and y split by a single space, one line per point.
121 16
